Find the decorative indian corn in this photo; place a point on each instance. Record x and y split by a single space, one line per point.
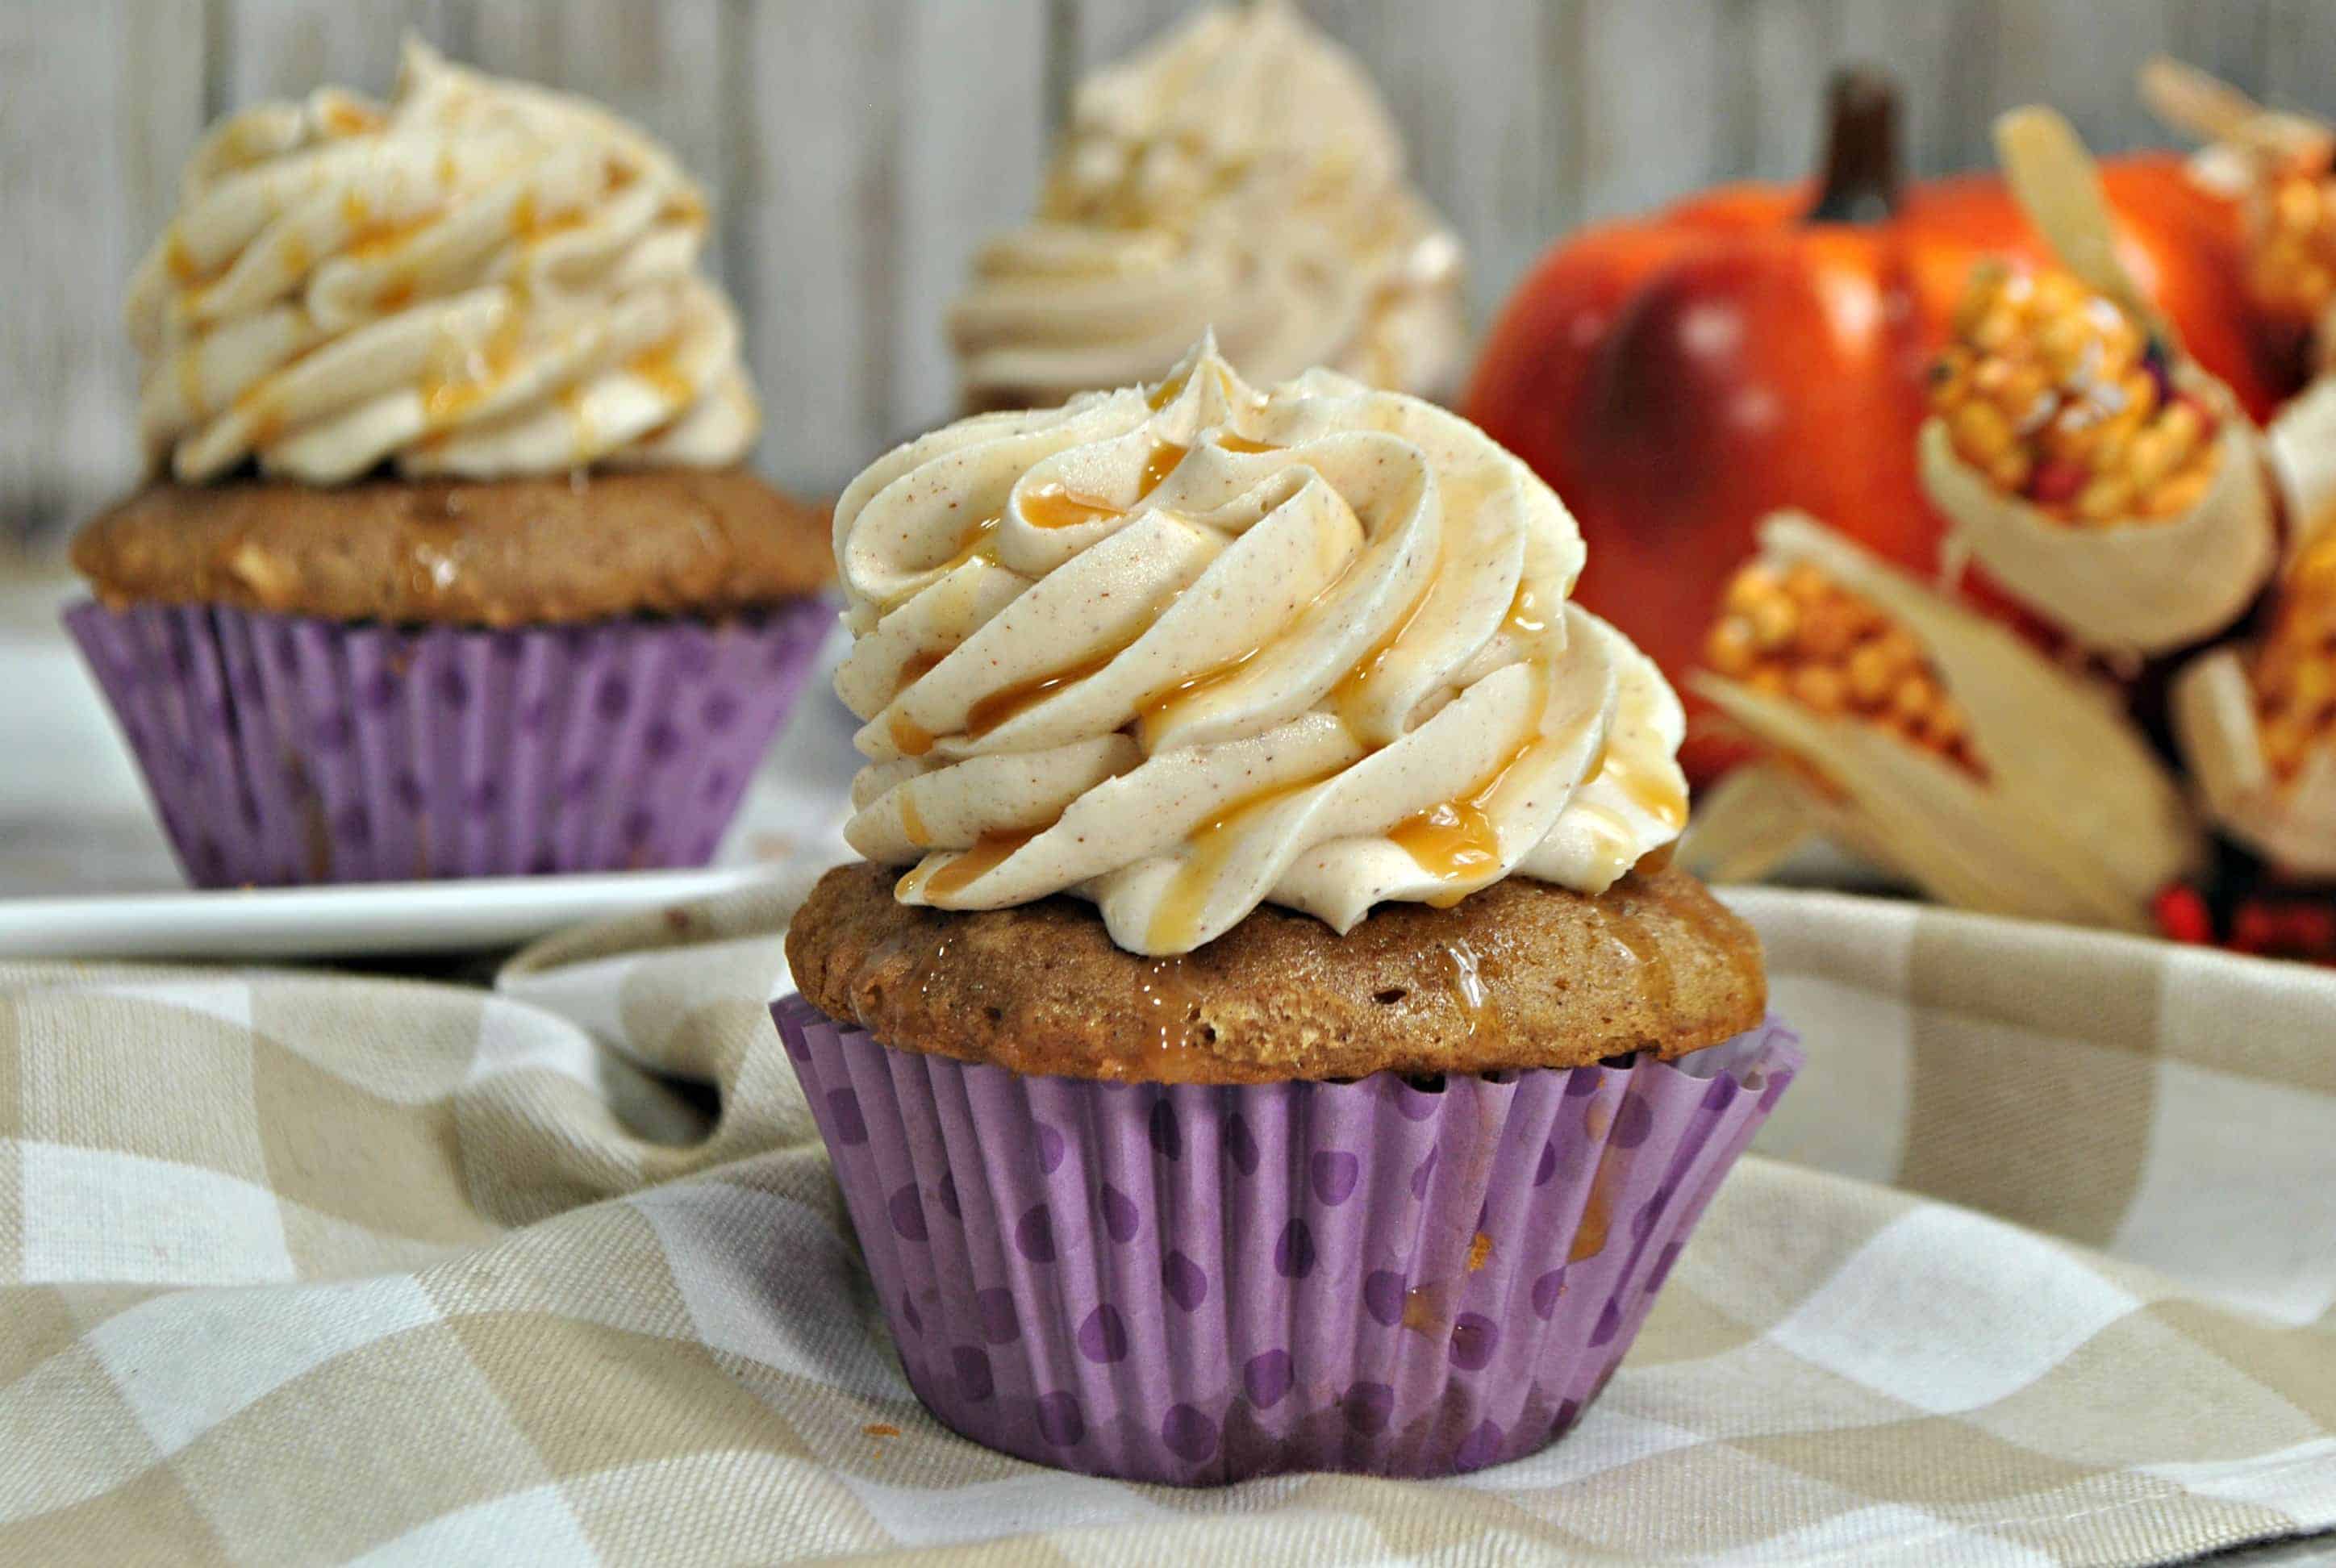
2064 400
1931 740
2101 478
2258 728
1800 635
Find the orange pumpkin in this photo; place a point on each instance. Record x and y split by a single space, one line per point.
1677 378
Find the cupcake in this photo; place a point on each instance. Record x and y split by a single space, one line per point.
447 567
1241 173
1265 1032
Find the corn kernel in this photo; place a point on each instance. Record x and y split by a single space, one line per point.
2294 670
1773 622
2050 390
1799 637
1871 674
1821 689
1730 649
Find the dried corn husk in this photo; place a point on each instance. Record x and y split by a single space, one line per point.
1749 823
2075 820
2133 587
2233 124
2293 823
2141 587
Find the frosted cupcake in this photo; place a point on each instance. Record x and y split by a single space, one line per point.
1265 1034
448 568
1241 173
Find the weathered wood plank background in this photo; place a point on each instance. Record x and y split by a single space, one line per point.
859 149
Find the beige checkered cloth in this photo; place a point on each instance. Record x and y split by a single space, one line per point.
2039 1268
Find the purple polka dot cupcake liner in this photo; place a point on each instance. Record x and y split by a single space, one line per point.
281 750
1197 1283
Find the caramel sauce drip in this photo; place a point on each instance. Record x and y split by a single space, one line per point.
1468 983
1152 715
1165 456
373 241
910 739
1178 1054
1242 443
448 399
980 539
1012 702
1052 506
660 368
914 668
990 851
1177 921
912 822
1527 617
1346 697
184 268
1646 788
1597 1212
345 119
1455 841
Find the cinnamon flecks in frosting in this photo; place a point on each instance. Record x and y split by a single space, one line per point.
1186 649
480 279
1241 173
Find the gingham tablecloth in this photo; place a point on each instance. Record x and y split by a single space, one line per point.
2038 1267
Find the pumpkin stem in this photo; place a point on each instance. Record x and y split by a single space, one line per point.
1863 172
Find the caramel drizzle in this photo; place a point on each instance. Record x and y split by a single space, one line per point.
1346 696
1051 506
661 369
1177 920
447 399
1456 841
912 822
1054 506
1647 789
1012 702
1165 456
1152 713
990 851
1525 617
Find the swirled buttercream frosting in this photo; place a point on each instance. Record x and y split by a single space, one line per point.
1186 647
479 279
1241 175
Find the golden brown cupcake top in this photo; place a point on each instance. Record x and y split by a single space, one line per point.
499 554
1521 974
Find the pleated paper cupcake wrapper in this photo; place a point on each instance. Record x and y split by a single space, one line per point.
1195 1283
283 750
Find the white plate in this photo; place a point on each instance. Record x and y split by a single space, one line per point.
85 871
372 919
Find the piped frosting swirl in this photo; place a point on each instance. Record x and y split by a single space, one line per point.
1184 649
479 279
1241 175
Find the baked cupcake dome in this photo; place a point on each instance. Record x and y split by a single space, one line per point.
1520 975
453 571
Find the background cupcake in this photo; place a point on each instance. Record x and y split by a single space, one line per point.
1357 1122
1241 175
449 569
